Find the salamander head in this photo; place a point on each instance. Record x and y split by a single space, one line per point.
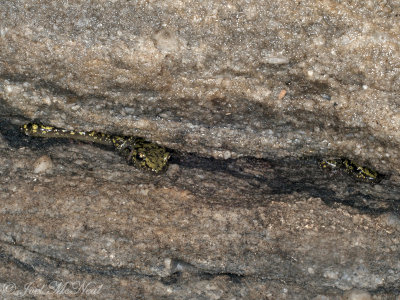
34 129
148 156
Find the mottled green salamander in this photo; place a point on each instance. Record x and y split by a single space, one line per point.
353 169
143 154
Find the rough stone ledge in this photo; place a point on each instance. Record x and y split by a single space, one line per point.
249 95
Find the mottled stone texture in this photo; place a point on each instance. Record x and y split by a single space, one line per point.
205 77
249 95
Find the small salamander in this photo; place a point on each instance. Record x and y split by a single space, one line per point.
143 154
353 169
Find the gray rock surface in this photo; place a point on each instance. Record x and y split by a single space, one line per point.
249 95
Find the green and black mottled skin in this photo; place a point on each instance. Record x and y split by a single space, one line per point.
143 154
355 170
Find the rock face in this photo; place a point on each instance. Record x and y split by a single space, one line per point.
249 96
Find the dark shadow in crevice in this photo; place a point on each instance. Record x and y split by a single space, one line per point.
258 177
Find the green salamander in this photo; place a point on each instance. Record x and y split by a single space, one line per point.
353 169
143 154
